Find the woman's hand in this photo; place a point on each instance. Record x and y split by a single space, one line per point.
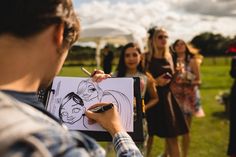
99 75
162 80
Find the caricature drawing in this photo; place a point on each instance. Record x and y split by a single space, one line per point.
72 109
70 97
89 90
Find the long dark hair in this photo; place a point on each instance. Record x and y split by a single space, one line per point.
188 54
121 68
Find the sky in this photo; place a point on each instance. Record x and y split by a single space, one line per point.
182 18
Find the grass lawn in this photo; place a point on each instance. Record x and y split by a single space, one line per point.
210 133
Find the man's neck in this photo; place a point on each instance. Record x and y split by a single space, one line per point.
17 68
20 85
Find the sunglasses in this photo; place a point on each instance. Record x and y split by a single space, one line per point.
162 37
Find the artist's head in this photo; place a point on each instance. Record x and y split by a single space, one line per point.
130 60
41 30
72 108
89 90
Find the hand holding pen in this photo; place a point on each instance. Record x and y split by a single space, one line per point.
106 115
100 109
96 75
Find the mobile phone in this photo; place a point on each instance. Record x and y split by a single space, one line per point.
167 76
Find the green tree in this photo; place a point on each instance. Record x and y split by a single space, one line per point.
211 44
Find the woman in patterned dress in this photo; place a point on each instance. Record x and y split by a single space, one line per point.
185 85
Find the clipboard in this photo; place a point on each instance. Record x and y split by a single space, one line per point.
136 134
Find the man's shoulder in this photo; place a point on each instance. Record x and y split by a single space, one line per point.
16 122
22 122
14 110
20 119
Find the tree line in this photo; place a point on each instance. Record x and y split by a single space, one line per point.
210 44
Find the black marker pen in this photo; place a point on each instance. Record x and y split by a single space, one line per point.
101 109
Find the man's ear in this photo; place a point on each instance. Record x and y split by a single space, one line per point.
58 35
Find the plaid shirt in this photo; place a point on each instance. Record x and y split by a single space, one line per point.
25 131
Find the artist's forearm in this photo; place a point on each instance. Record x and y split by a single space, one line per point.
115 129
124 146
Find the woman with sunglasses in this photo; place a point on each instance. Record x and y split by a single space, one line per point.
167 118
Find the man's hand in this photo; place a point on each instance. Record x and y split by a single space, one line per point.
109 120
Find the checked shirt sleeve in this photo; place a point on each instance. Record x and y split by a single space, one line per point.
124 146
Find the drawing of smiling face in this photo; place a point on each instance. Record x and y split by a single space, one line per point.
72 109
87 91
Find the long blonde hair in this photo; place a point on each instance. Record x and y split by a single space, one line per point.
152 44
153 47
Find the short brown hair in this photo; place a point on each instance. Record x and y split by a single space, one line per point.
25 18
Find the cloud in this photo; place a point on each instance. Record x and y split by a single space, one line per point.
182 18
211 7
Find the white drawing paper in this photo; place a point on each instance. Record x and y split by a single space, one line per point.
71 96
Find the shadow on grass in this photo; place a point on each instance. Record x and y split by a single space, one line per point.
221 115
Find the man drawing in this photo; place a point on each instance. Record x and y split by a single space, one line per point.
35 36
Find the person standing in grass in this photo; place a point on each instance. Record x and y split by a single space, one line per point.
107 59
185 85
167 119
130 65
232 119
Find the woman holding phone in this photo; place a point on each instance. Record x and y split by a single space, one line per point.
167 116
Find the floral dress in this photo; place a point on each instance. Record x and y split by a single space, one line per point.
184 91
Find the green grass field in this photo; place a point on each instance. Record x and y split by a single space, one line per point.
209 135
